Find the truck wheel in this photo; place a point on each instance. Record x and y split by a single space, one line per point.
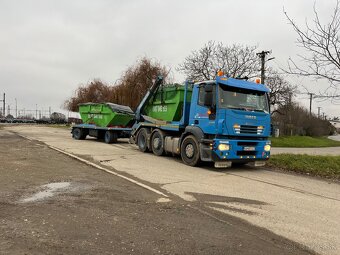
110 137
157 143
190 151
142 140
78 134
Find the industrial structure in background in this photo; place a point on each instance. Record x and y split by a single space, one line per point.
53 118
32 116
223 121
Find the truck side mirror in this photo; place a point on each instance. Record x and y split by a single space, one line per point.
208 97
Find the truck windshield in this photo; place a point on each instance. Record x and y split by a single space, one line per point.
242 99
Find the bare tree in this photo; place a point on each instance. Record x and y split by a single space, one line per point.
128 90
96 91
236 61
137 79
322 43
281 91
296 120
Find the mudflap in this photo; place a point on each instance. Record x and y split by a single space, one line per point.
257 163
223 164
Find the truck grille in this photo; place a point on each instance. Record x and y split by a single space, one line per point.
246 129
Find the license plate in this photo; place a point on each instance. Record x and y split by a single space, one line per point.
249 148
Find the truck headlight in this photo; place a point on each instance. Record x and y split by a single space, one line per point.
223 147
267 147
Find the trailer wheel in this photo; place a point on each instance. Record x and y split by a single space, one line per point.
142 140
157 143
110 137
78 134
190 151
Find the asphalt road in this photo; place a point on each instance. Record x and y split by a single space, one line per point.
301 209
334 151
334 137
53 204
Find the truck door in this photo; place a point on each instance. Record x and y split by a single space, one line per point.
203 116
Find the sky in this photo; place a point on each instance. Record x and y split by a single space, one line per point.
48 47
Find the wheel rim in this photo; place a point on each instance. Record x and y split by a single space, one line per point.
76 133
189 150
141 141
156 142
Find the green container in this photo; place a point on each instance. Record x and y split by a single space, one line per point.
167 103
106 114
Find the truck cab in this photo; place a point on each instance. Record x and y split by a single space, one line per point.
231 120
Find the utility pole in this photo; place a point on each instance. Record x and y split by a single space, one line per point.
262 56
319 112
16 108
36 111
4 105
310 102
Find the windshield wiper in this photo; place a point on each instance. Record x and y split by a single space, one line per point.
238 108
247 109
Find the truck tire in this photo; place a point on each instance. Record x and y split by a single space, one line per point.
157 142
190 152
142 140
110 137
78 134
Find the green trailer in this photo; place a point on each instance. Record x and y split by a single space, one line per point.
104 121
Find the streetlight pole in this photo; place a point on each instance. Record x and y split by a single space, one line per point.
16 108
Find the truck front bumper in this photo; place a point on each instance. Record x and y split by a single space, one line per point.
240 150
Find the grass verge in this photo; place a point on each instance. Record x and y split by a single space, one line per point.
322 166
303 142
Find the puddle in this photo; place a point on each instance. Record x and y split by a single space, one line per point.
49 190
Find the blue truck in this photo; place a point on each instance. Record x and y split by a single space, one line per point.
224 121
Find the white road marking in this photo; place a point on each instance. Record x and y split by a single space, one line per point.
104 169
163 200
109 171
